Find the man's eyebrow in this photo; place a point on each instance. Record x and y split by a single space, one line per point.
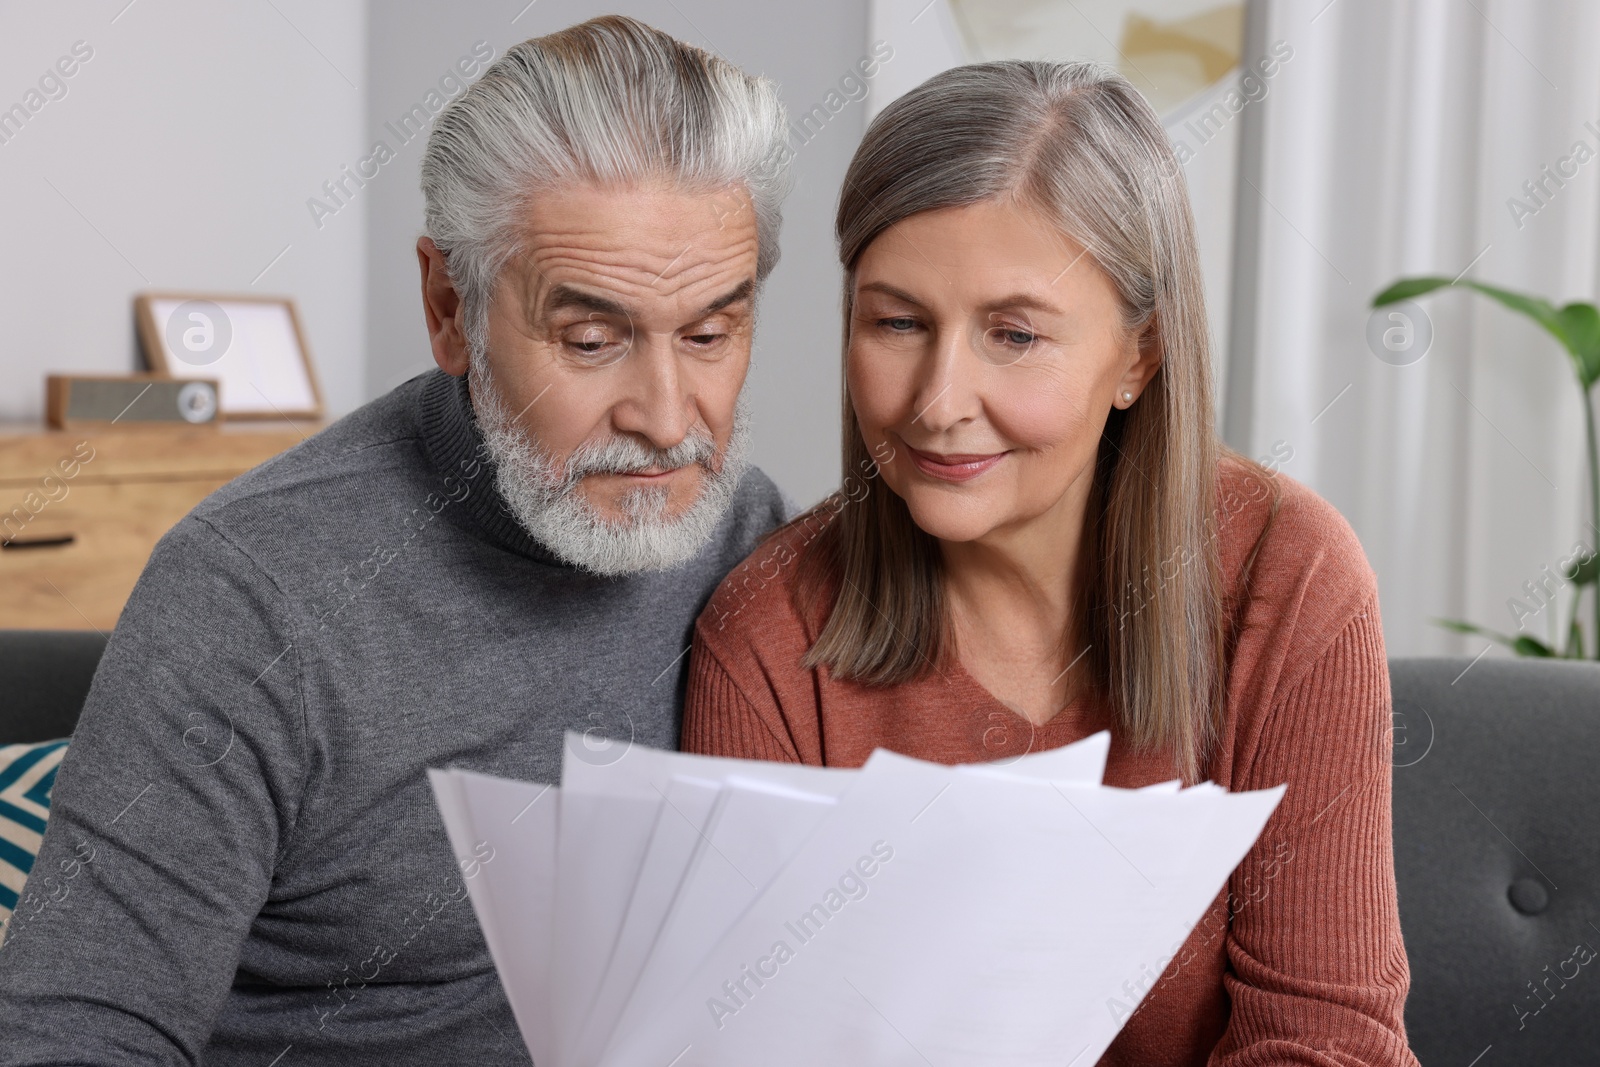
565 296
742 291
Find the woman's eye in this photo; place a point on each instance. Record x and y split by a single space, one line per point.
704 338
1007 346
899 323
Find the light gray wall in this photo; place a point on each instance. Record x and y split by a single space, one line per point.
807 48
181 157
186 152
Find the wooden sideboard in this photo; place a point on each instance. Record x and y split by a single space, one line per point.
80 510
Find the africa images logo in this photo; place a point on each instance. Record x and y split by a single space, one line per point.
198 332
852 885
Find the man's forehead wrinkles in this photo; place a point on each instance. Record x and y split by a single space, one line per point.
642 299
666 244
684 257
689 272
585 274
687 256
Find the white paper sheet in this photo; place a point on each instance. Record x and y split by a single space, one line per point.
998 923
758 827
684 818
513 824
663 908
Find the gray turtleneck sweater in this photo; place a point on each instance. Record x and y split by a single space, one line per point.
244 864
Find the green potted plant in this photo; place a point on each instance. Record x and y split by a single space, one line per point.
1576 327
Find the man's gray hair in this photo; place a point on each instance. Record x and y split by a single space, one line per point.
610 101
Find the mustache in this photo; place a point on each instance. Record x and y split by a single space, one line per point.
629 455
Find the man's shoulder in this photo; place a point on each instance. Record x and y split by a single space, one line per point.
327 496
381 435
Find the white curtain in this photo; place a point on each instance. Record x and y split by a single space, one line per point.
1394 144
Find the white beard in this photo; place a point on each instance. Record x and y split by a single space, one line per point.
546 497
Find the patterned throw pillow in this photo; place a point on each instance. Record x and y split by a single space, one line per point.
26 774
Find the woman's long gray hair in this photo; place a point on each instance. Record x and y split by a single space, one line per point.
1078 142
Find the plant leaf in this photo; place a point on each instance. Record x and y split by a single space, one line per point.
1585 573
1522 644
1461 627
1536 308
1576 326
1581 322
1406 288
1532 646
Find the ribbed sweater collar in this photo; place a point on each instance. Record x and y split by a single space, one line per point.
455 447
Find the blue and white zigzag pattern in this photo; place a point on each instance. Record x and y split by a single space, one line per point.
26 774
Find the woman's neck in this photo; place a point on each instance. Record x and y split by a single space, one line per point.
1013 599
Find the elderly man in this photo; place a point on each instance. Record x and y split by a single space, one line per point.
244 863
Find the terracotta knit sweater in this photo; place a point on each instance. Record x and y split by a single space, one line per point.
1299 960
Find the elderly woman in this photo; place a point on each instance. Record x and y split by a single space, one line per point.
1040 536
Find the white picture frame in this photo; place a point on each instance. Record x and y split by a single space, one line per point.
253 345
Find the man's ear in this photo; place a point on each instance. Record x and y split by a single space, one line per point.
442 306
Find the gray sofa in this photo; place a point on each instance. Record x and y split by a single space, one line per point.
44 678
1496 831
1497 856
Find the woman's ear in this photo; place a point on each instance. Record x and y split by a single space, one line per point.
441 305
1144 362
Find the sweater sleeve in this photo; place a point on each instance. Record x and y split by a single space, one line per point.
720 720
179 789
1317 969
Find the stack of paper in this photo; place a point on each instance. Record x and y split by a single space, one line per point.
669 910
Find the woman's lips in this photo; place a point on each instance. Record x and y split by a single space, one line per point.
953 468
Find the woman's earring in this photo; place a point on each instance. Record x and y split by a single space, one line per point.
1127 398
